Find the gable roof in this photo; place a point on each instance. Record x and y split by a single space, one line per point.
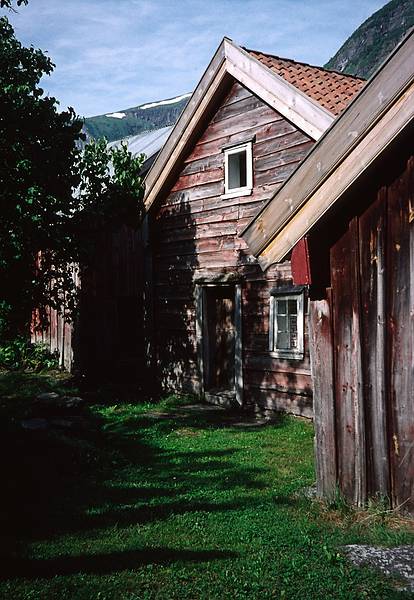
377 115
330 89
231 62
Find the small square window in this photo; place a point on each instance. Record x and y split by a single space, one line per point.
286 325
238 170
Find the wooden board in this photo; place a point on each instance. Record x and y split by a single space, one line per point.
400 345
322 361
372 233
348 369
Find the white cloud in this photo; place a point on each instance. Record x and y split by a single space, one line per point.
113 54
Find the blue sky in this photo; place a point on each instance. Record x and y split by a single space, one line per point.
114 54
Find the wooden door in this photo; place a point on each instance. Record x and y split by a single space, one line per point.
220 339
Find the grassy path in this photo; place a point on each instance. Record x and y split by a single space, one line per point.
167 501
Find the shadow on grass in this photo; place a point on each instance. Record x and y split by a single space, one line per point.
105 563
110 473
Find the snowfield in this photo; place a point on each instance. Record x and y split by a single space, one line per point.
117 115
171 101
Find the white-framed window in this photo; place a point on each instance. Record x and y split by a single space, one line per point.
286 322
238 170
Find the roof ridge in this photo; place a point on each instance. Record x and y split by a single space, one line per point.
299 62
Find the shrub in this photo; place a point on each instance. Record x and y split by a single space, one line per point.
21 354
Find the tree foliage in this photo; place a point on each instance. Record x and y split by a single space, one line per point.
50 194
9 3
110 187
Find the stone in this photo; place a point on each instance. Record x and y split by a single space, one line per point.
397 562
71 402
34 424
310 491
47 397
69 422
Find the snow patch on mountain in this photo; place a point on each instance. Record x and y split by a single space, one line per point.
117 115
162 102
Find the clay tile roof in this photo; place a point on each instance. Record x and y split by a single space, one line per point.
330 89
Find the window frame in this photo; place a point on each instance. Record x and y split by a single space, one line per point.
247 189
287 294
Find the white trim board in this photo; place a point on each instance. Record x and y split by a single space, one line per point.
285 98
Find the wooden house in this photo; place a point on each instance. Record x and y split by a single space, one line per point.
216 324
353 197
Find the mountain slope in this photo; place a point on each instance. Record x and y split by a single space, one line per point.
360 55
370 44
132 121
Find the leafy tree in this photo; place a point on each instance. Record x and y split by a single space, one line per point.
9 3
38 154
110 189
50 195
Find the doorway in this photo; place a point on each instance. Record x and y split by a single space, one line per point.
219 337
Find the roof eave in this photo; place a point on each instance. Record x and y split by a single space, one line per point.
263 235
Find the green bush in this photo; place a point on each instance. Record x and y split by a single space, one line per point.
21 354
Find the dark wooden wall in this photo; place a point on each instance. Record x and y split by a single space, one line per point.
194 234
110 327
106 340
363 350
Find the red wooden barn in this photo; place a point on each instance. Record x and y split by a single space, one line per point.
216 324
353 197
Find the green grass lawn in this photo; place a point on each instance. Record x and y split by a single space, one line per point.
161 501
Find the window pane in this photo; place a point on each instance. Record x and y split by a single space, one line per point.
282 323
282 341
281 307
293 307
237 167
293 331
287 326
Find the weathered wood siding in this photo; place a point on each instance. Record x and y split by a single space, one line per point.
194 233
369 326
57 337
106 340
110 328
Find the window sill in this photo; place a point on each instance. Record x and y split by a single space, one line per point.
287 355
237 193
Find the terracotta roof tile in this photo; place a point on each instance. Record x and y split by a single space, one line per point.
330 89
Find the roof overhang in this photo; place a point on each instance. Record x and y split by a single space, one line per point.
377 115
229 63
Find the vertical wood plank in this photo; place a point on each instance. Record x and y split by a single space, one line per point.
322 367
372 264
348 366
401 313
238 349
148 306
200 309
